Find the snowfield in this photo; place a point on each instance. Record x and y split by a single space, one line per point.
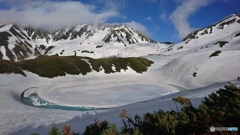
94 90
101 90
138 93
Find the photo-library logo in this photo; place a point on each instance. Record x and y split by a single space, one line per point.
212 128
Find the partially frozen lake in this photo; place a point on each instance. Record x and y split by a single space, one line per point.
81 96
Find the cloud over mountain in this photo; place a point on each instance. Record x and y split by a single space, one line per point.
180 15
139 26
53 14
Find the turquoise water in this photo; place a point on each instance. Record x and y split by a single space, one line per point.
41 103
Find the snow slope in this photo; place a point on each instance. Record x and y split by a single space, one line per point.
91 40
185 67
130 89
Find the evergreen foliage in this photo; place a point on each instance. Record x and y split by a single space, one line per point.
216 53
7 67
138 64
54 131
53 66
112 130
221 43
220 109
97 128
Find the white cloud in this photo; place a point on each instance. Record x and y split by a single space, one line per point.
54 14
148 18
114 4
140 27
164 10
163 15
180 15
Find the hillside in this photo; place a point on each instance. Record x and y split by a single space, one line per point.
151 73
74 65
205 56
221 35
81 40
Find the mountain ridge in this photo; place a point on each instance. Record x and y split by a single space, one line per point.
105 40
30 42
226 30
232 18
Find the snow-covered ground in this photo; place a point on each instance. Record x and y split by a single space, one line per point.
184 69
138 93
94 89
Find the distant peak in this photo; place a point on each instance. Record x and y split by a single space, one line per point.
231 19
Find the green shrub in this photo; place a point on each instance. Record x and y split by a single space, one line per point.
7 67
216 53
220 109
221 43
85 51
99 46
54 131
112 130
106 64
138 64
62 52
53 66
194 74
97 128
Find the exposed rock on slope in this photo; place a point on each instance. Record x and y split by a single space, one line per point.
20 43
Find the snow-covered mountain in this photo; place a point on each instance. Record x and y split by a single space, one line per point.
95 40
205 56
19 43
222 33
195 54
206 60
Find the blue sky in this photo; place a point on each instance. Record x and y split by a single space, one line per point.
162 20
